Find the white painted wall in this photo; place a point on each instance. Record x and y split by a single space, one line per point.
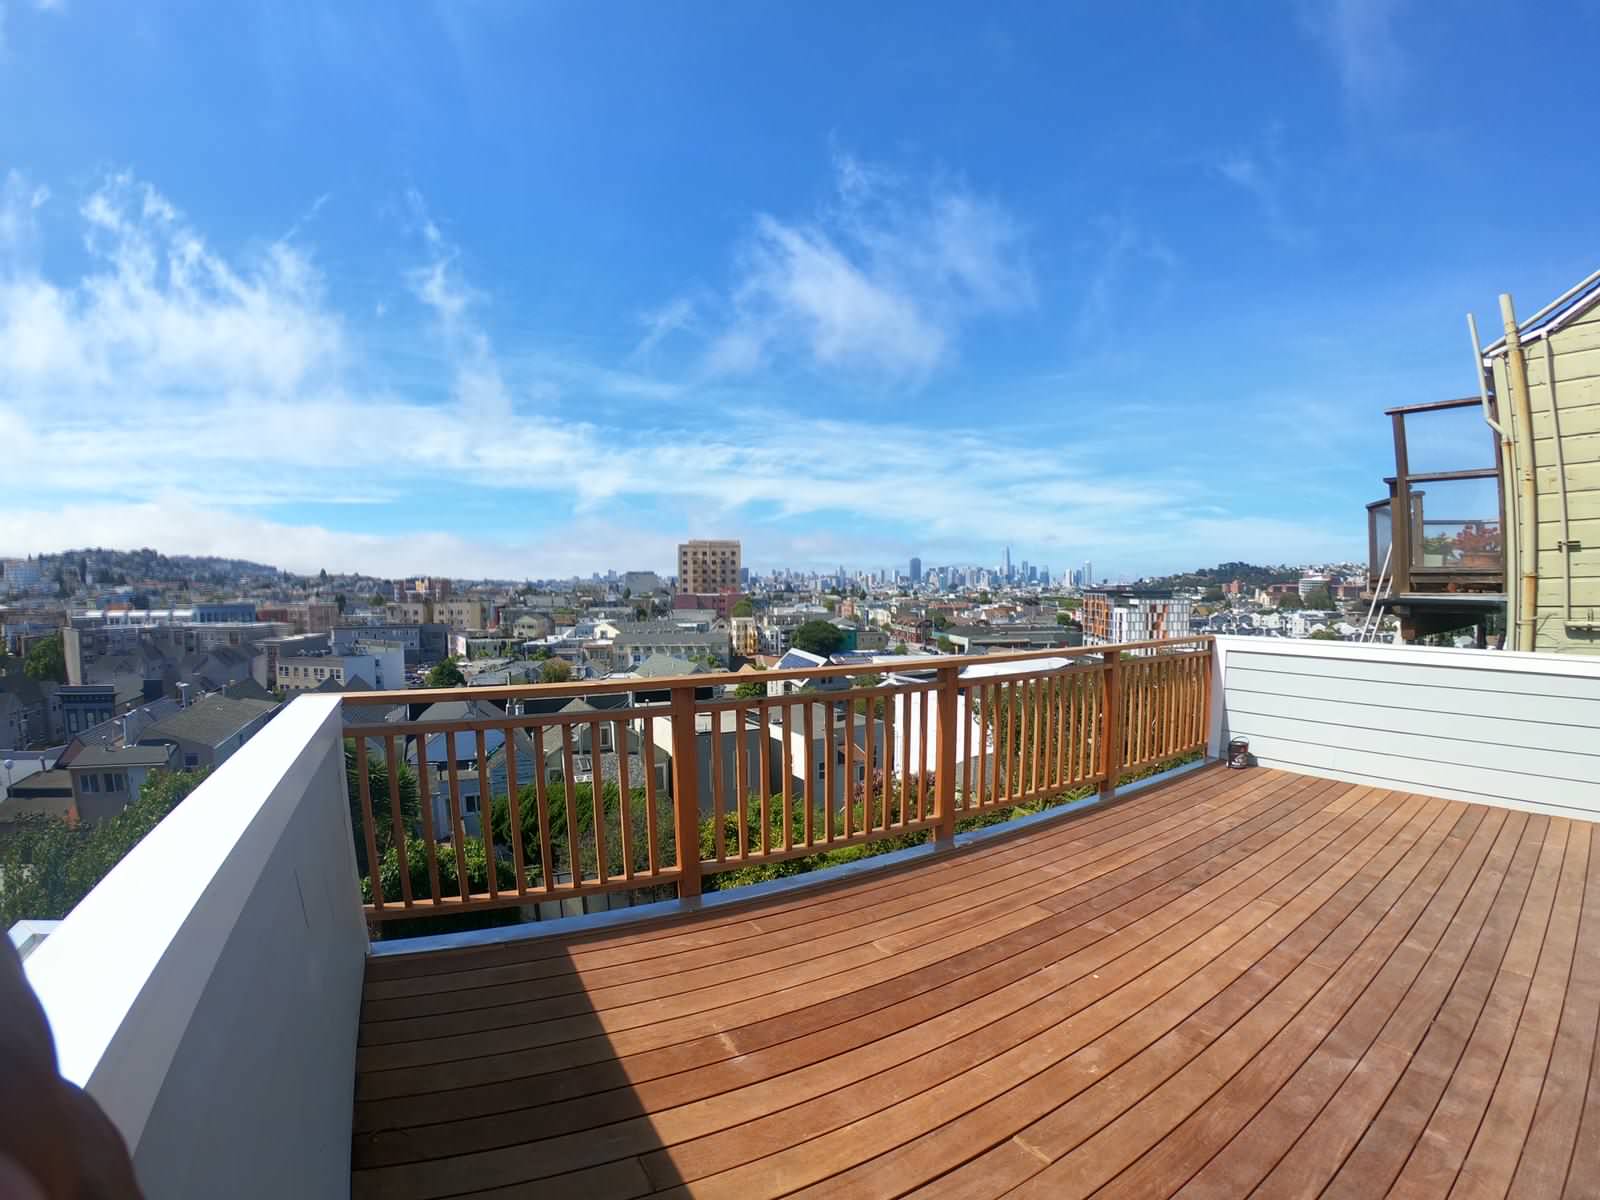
207 992
1493 727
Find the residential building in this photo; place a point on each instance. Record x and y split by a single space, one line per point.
708 566
462 613
45 793
381 664
641 583
1127 614
1541 381
423 643
20 575
207 732
106 779
720 603
309 616
85 705
630 643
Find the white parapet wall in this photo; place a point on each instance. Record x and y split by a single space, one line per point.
1493 727
207 992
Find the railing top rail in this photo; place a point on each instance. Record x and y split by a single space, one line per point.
1434 406
596 687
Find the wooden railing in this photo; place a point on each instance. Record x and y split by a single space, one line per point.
501 807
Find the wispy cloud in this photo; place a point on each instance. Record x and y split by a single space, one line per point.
1360 37
1124 260
882 279
1262 174
198 390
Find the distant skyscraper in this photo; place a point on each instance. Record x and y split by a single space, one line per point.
1088 573
916 570
1008 564
708 566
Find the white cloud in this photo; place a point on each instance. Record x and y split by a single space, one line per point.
1261 175
193 388
883 279
1360 37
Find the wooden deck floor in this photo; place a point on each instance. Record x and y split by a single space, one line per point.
1242 983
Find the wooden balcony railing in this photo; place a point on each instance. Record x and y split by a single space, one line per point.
592 800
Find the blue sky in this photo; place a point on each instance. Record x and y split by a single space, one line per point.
526 290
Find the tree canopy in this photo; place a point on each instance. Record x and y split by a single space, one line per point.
818 637
1290 600
1319 597
47 661
555 670
446 674
47 866
744 608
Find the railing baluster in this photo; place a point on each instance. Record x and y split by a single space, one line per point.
541 796
765 743
787 840
890 747
647 759
685 791
808 791
1037 778
849 788
964 704
597 801
486 813
619 739
514 813
458 828
945 768
402 852
368 828
869 790
718 834
1111 735
924 703
830 771
430 840
569 788
741 766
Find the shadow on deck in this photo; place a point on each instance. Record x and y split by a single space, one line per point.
1235 980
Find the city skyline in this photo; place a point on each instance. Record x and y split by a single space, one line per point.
532 300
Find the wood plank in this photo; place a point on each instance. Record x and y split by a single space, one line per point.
1241 980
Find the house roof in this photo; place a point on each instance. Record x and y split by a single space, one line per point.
124 756
660 666
1556 315
247 689
211 720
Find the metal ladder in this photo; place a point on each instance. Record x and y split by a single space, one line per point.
1369 627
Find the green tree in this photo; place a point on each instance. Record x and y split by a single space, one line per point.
1325 635
341 602
818 637
1319 597
382 802
1290 601
946 646
47 866
378 600
830 604
555 670
47 661
941 621
744 608
901 648
446 674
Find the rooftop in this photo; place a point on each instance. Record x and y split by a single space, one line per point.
1233 979
1366 965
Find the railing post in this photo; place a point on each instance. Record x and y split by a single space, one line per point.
945 764
685 791
1111 726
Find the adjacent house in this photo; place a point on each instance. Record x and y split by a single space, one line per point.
208 731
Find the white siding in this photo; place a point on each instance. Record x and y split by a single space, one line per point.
1520 730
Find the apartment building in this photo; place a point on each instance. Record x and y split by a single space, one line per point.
1127 614
708 566
382 665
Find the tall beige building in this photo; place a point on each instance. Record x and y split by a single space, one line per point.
708 566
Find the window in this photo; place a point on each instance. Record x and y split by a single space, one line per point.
91 782
191 761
